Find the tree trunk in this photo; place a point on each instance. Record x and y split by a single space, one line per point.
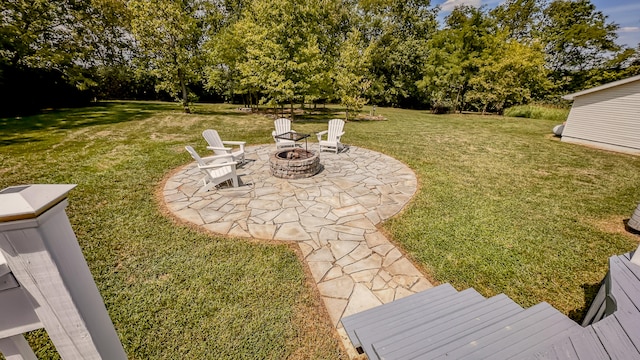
185 95
291 102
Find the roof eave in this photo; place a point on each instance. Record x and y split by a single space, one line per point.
602 87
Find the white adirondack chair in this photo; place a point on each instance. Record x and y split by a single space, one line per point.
217 169
282 126
332 142
218 146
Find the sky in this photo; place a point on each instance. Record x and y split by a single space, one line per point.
625 13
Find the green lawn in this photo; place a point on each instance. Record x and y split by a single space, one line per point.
502 207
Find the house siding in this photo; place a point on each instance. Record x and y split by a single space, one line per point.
609 118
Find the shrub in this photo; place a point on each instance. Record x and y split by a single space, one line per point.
533 111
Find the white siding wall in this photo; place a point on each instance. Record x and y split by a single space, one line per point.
609 118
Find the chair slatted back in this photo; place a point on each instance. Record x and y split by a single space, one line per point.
282 125
335 129
213 139
195 155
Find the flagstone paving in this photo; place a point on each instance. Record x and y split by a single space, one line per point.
332 216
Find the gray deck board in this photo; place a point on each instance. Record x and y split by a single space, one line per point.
635 269
615 340
441 322
562 350
391 310
587 345
522 337
628 282
532 313
446 329
367 335
630 322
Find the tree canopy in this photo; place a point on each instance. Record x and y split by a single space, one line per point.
281 52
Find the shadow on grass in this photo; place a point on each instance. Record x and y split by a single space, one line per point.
15 130
308 115
590 291
203 109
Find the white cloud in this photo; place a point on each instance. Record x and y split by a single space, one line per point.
451 4
629 29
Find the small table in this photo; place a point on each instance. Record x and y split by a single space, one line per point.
295 137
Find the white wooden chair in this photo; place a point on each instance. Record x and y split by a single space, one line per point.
217 169
218 146
332 142
282 126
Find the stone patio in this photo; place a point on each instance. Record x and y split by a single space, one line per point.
332 216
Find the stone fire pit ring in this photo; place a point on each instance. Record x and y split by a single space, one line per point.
294 163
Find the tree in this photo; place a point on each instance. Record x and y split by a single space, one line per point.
397 32
281 49
577 38
169 35
509 73
519 18
351 74
55 42
454 57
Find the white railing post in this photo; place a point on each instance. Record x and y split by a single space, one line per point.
54 281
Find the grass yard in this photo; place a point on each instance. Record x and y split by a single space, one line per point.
173 292
502 206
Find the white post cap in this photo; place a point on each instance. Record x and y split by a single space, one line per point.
29 201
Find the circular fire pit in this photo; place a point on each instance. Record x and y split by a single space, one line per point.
294 163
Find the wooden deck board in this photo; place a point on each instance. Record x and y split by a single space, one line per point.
441 322
368 335
524 336
391 310
446 329
562 350
587 345
615 340
539 310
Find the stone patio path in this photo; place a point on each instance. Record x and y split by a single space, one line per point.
332 216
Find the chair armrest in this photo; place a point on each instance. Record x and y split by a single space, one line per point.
218 148
217 165
218 157
319 135
236 143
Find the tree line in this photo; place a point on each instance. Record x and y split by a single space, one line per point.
279 53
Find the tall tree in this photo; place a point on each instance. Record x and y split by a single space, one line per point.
577 38
454 58
56 44
519 18
61 34
285 49
397 32
509 73
169 35
351 80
